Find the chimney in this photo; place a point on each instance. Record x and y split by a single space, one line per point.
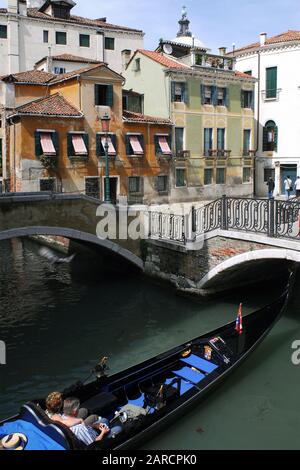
263 37
35 3
13 6
126 56
222 50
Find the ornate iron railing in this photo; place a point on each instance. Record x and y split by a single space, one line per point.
275 219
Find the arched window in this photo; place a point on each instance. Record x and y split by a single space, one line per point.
270 137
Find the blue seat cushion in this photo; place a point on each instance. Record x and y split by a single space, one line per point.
188 374
200 363
138 401
184 386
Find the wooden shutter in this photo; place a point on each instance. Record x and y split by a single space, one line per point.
110 95
99 148
252 100
179 139
70 146
128 146
214 95
156 143
55 140
271 82
275 138
265 139
185 93
226 97
173 84
202 94
86 141
242 99
38 147
114 142
97 95
142 141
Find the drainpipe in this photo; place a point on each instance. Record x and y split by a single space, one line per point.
14 160
258 120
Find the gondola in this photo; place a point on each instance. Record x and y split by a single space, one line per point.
148 397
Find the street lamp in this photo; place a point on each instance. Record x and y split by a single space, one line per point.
105 121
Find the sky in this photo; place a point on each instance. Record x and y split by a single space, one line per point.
215 22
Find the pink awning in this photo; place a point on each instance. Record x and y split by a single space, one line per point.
47 144
164 146
136 146
79 145
111 148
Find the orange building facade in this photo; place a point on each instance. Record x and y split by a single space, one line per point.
55 140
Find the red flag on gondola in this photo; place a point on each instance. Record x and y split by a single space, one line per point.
239 321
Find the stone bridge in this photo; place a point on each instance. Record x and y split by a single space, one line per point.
72 216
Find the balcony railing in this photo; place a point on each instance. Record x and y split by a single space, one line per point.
272 95
183 154
164 156
218 153
249 153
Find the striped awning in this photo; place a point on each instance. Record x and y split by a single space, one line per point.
79 145
111 148
47 144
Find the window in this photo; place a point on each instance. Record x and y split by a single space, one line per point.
247 99
271 82
221 92
78 144
45 36
3 31
110 44
92 187
269 173
179 92
60 11
163 145
207 92
61 38
46 143
101 142
220 141
207 141
47 184
104 95
248 72
208 176
270 137
221 176
162 184
247 175
246 142
84 40
135 184
180 177
137 65
135 144
179 137
59 70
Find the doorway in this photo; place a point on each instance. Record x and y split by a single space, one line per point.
285 171
113 188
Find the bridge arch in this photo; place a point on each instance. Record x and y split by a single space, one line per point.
77 235
220 277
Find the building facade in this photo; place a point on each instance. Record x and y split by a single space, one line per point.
275 62
33 29
55 141
212 107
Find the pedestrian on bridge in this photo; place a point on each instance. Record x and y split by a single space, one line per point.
271 187
297 186
288 186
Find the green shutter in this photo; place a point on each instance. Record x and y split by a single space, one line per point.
202 93
242 99
265 139
220 139
271 82
99 147
97 97
110 95
128 146
226 97
275 138
179 139
70 146
214 95
55 140
173 91
185 93
38 147
114 142
142 141
86 141
157 147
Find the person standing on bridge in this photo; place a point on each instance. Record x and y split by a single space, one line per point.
271 187
288 186
297 186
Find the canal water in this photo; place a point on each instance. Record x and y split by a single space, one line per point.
57 322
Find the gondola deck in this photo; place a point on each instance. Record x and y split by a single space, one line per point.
178 378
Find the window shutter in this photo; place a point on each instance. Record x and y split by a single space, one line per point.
252 100
38 147
99 148
265 139
185 93
214 96
86 141
142 141
169 140
271 82
114 142
97 97
128 146
275 138
70 146
242 99
55 140
202 92
110 96
226 97
157 147
172 91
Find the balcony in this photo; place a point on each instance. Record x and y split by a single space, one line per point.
183 154
218 153
249 153
164 156
215 62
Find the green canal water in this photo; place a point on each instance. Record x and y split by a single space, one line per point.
57 322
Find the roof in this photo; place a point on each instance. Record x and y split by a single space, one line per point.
244 75
34 77
129 116
35 13
69 75
54 105
71 58
162 59
289 36
3 10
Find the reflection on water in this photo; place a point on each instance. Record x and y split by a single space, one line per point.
57 325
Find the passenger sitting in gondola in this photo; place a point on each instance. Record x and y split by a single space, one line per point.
87 432
54 404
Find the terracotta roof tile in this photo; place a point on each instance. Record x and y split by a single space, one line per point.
3 10
163 60
35 13
54 105
35 77
71 58
289 36
244 75
129 116
74 73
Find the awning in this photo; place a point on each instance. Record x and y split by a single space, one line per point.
136 146
47 144
79 145
164 146
111 148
